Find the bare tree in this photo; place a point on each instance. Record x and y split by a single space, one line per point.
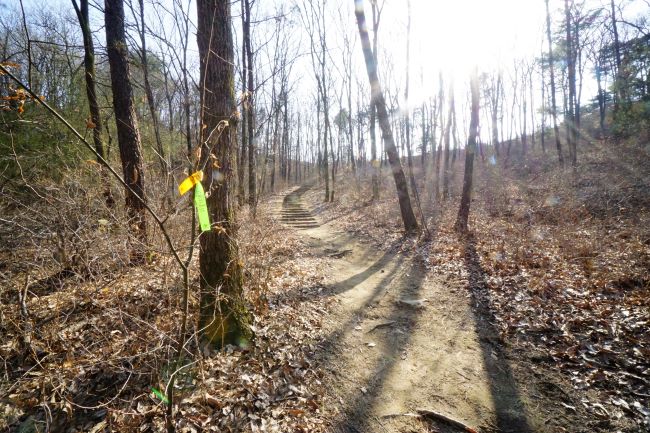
250 109
463 209
408 217
95 122
617 51
376 17
493 93
128 135
447 138
148 91
551 67
242 159
407 116
572 135
438 150
315 20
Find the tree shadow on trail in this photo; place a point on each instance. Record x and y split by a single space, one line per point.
379 265
387 263
508 406
359 404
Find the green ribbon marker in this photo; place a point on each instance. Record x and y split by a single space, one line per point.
201 207
160 395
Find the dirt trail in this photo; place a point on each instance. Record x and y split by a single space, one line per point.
401 340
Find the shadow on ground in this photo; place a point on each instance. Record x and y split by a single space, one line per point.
357 409
508 406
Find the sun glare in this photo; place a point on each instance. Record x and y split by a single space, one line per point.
454 36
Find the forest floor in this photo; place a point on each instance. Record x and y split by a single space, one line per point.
536 322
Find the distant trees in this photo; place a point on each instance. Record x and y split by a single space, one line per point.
323 125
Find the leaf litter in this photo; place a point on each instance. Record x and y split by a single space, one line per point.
565 277
103 351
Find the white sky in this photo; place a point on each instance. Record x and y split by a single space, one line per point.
462 33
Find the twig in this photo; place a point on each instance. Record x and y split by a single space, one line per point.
339 254
427 413
381 325
27 329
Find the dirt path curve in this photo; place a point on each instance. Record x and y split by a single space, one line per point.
401 340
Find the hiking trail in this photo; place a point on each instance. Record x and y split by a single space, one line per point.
399 339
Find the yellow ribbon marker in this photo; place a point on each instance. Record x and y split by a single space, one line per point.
190 181
194 181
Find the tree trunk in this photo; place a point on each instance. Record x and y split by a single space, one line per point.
328 126
407 117
438 150
558 144
241 155
447 148
524 107
495 114
463 210
408 217
128 135
532 107
224 318
350 129
296 171
250 111
160 150
617 51
423 126
601 100
543 126
325 145
91 93
376 15
573 136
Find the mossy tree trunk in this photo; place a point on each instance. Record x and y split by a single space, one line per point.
224 318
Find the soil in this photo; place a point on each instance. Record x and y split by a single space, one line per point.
401 338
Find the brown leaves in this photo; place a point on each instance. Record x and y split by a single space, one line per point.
105 345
